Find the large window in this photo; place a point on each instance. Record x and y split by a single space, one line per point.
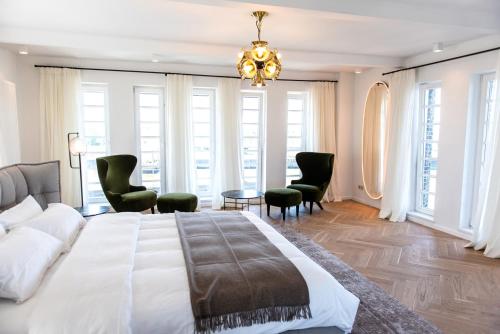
296 133
149 114
483 135
252 138
429 118
94 116
203 104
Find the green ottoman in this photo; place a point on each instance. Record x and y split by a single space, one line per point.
283 198
172 202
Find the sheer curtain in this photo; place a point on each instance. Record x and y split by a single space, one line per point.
10 152
227 169
180 162
59 105
486 217
324 130
396 198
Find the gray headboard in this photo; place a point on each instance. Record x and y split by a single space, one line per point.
42 181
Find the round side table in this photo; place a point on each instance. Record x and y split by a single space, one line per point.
245 195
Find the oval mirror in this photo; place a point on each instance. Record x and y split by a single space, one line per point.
373 141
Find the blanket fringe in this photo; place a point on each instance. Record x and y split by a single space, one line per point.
249 318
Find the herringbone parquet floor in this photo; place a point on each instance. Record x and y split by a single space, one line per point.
429 271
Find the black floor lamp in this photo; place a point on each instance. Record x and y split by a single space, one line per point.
77 147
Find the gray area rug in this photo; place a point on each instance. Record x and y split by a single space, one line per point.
378 312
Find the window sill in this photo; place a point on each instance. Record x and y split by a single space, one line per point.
419 217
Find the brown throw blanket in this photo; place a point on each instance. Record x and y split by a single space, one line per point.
237 277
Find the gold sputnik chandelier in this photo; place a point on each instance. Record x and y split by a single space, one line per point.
259 63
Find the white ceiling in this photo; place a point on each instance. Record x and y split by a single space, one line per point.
319 35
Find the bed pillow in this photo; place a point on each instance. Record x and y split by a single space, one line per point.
25 256
60 221
20 213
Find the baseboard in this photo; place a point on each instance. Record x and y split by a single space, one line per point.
363 201
433 225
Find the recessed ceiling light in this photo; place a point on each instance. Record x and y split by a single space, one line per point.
358 72
155 60
437 47
23 51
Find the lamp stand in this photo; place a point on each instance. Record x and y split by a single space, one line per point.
76 134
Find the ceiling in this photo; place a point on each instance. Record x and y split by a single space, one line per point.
314 35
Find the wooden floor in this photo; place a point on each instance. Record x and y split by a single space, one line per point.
429 271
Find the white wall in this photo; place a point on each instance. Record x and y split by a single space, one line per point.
121 106
455 77
7 65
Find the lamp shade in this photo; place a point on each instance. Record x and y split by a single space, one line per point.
78 145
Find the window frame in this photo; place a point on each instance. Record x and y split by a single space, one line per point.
421 140
211 92
304 96
89 87
138 172
260 94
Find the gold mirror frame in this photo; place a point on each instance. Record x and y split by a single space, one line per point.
380 171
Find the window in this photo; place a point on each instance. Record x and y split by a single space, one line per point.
252 138
483 132
296 133
429 118
203 104
149 115
94 115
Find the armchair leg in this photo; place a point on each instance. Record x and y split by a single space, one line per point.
297 210
268 209
304 202
283 211
153 210
320 206
311 207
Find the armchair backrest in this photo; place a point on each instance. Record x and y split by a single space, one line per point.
114 172
316 168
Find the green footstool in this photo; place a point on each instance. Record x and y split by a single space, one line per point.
172 202
283 198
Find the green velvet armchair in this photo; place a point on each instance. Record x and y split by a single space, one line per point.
114 174
317 170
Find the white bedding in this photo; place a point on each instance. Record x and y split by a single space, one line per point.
159 291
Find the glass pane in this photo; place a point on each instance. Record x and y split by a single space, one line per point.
150 144
201 129
93 114
295 130
295 143
149 115
150 129
201 115
94 129
250 116
150 174
149 100
432 132
150 159
250 130
433 96
201 143
251 102
96 144
201 101
295 117
250 143
295 104
93 98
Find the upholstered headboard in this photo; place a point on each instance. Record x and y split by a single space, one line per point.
42 181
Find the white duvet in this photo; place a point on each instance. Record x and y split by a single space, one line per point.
126 274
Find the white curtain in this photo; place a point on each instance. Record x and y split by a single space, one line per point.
10 152
401 109
323 127
180 161
59 105
486 216
227 171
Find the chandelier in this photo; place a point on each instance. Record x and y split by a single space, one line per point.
259 63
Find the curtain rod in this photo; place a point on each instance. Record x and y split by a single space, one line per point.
442 61
167 73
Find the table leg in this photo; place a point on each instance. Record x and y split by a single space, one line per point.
248 205
224 206
260 207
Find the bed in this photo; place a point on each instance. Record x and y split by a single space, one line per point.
126 274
